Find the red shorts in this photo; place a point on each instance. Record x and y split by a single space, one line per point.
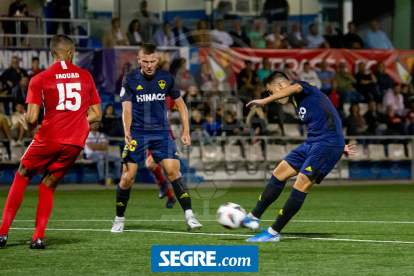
56 159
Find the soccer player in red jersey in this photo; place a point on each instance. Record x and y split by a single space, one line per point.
71 103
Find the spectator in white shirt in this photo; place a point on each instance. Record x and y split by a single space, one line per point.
95 149
274 40
219 37
315 40
309 75
394 98
133 34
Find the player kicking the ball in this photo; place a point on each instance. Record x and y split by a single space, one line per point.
310 162
71 103
144 114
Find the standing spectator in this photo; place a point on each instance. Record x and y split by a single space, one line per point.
295 37
19 92
326 78
394 122
10 26
164 36
202 34
35 68
355 123
61 9
12 76
203 78
407 95
274 40
197 128
315 40
247 77
219 37
182 35
148 21
239 37
366 84
115 36
111 124
257 36
352 40
335 41
211 126
394 99
410 119
376 121
377 39
193 99
134 36
95 149
265 70
384 80
345 82
309 75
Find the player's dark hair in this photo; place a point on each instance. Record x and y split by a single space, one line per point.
35 58
131 26
273 76
311 25
148 49
60 40
306 63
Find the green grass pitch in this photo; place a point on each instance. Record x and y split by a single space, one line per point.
348 230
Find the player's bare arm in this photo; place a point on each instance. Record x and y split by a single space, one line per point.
29 119
94 113
182 110
278 91
127 120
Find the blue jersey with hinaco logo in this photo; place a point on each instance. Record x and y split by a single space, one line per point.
319 115
149 108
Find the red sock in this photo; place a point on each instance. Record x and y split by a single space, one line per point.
170 194
14 199
44 208
158 175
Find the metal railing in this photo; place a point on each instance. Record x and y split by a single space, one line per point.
41 28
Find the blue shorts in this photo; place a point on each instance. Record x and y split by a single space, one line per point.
159 143
315 160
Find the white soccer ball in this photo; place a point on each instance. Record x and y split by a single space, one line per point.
231 215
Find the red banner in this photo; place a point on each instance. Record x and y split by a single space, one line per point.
398 63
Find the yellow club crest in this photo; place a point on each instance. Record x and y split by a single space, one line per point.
161 83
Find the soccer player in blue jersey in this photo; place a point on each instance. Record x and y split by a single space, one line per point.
310 162
144 115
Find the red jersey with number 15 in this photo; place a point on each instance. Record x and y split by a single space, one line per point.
66 92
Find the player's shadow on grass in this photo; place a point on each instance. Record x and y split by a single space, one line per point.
309 235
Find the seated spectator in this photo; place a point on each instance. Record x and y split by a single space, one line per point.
164 36
201 35
17 128
394 122
19 92
376 39
35 68
410 119
335 41
134 36
247 81
198 131
5 131
182 35
394 99
95 150
183 76
219 37
257 36
295 37
376 121
240 39
366 84
407 95
203 77
115 36
111 124
355 123
326 78
309 75
211 126
352 40
193 98
274 40
231 126
12 76
345 82
315 40
265 70
384 80
257 127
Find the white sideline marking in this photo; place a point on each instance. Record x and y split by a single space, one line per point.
266 220
217 234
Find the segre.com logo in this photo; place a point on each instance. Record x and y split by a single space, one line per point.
205 258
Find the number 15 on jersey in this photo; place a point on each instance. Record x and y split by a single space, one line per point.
70 94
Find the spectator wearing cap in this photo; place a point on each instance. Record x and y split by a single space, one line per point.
377 39
219 37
